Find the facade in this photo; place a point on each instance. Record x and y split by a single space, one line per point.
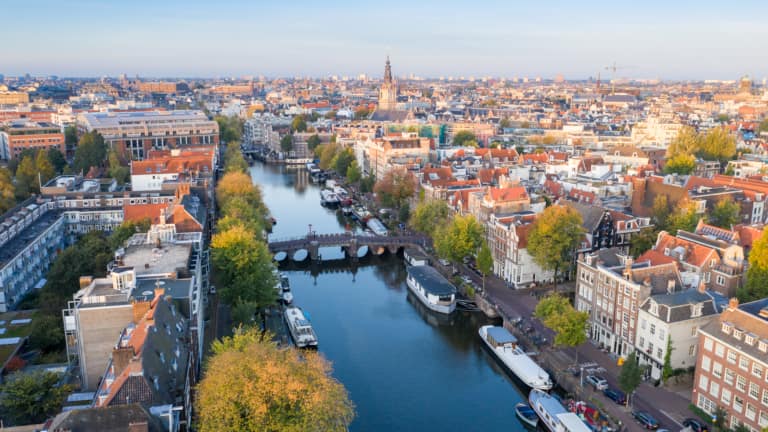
672 319
377 156
163 87
166 169
607 228
732 365
20 135
136 133
13 98
508 239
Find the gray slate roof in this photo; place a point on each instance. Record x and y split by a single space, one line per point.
676 306
432 281
113 419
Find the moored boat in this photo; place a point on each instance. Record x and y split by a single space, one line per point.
328 198
432 289
526 414
554 415
301 330
505 347
377 227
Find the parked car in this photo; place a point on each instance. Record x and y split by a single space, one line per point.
696 425
617 396
212 290
444 262
597 382
646 420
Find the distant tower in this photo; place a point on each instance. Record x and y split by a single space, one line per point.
388 91
745 84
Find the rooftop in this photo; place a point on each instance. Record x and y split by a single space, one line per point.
27 236
150 259
115 119
431 280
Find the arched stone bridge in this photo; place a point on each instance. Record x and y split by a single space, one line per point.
350 243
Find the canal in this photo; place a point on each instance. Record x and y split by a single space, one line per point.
406 369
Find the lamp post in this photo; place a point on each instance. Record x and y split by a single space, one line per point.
310 230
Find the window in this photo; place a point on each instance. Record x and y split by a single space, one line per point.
743 363
720 280
705 363
751 412
717 370
658 353
765 397
650 347
749 339
703 382
719 350
714 389
726 328
763 346
731 356
692 350
642 341
653 329
738 403
754 391
695 329
725 396
737 334
757 370
706 404
708 344
661 334
729 376
741 383
763 420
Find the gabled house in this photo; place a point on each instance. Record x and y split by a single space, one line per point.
507 237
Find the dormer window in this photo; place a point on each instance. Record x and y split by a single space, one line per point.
697 310
749 338
737 334
726 328
762 346
666 251
654 308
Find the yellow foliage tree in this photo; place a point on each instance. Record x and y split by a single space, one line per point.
251 384
237 184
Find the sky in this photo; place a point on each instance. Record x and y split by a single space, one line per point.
672 39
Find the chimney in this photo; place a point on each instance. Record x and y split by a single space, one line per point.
628 267
121 357
85 281
140 308
702 287
733 304
159 290
647 282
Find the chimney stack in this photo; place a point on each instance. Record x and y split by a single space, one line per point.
140 308
702 287
733 304
121 357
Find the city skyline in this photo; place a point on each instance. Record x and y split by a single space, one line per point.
689 41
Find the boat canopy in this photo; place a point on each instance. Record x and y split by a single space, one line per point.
573 423
302 323
431 280
500 336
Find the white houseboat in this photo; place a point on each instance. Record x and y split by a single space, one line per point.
505 347
301 330
432 289
554 415
328 198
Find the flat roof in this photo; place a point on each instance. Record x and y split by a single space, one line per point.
149 259
114 119
432 281
501 335
27 236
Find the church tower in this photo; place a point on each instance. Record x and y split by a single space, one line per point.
388 91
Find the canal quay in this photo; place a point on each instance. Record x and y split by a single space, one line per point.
406 369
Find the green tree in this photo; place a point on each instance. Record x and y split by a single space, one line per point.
251 384
687 142
286 143
230 128
44 167
463 137
126 230
367 183
683 218
756 284
233 159
70 136
763 126
718 145
504 123
117 170
725 214
660 211
353 173
299 124
554 237
667 370
244 313
642 241
405 212
328 153
484 261
720 419
429 215
7 191
90 152
631 375
32 397
395 187
569 325
57 159
313 141
682 164
26 178
462 237
344 160
47 333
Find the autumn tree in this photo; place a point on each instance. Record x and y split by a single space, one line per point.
725 214
233 158
245 265
682 164
7 191
643 241
685 217
756 284
26 178
235 184
44 167
32 397
462 237
686 142
395 187
569 325
117 170
429 215
464 138
660 211
299 124
286 143
327 155
251 384
91 152
554 237
484 261
717 145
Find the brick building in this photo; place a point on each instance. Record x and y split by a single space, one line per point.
17 136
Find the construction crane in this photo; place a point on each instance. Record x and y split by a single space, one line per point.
613 68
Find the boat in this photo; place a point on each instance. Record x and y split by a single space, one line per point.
302 333
285 288
526 414
328 197
505 347
361 213
554 415
376 226
432 289
414 257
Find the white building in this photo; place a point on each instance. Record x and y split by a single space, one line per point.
507 239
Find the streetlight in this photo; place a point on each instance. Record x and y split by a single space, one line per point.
310 230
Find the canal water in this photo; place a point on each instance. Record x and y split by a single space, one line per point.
406 369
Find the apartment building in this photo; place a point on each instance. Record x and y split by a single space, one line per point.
13 98
611 286
606 228
165 169
505 199
162 87
19 135
137 132
377 156
732 365
508 241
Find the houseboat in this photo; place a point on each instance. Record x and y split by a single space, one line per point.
415 257
302 333
328 198
432 289
554 415
377 227
504 346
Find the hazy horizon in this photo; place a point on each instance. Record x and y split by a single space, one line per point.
672 42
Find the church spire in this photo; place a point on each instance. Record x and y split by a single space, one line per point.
387 72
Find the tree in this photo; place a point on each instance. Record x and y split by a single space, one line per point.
717 145
504 123
362 113
631 375
397 185
683 218
461 238
367 183
117 170
660 211
70 136
286 143
251 384
299 124
230 128
725 214
90 152
313 141
756 284
642 241
682 164
44 167
404 213
344 160
685 142
57 159
32 397
463 137
667 370
244 313
484 261
7 191
126 230
237 184
763 126
353 173
245 265
47 333
554 237
327 155
569 325
720 419
241 211
26 178
429 215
